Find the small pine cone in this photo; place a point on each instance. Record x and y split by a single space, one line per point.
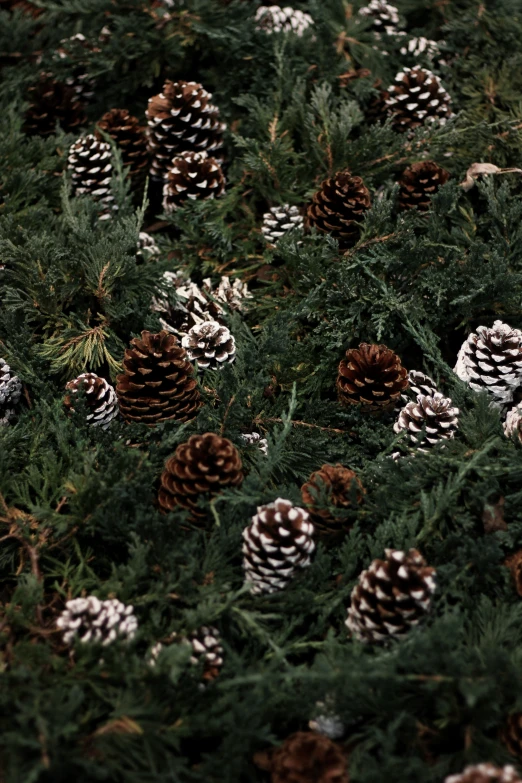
192 176
181 119
392 596
127 133
208 650
514 563
90 164
332 485
420 46
232 294
147 249
338 207
199 469
52 103
385 17
306 757
278 541
255 439
513 422
158 383
210 345
274 19
89 620
486 773
279 221
417 97
419 183
192 307
10 392
372 376
419 383
512 734
491 359
74 54
100 397
428 421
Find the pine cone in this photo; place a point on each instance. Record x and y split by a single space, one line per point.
274 19
332 485
181 119
486 773
255 439
10 392
279 221
385 17
192 176
199 469
192 307
371 375
89 620
210 345
90 163
206 648
276 543
158 383
512 734
491 359
126 131
52 103
147 249
338 206
422 47
428 421
419 183
513 422
232 294
514 563
417 97
419 383
74 55
99 395
392 596
306 757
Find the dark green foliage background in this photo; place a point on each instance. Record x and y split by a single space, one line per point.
414 712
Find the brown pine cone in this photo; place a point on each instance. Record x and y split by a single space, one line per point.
332 485
514 563
158 383
199 469
418 184
512 734
99 395
51 102
373 376
486 773
377 109
338 206
129 136
24 6
417 97
306 757
193 176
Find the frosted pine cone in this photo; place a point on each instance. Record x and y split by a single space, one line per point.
491 359
417 97
193 176
277 542
279 221
192 307
428 421
274 19
421 46
420 383
10 392
486 773
232 294
89 620
255 439
513 422
206 649
90 164
385 17
392 596
147 248
100 397
210 345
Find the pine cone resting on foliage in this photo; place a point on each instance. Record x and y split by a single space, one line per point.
417 97
193 176
305 757
158 382
127 133
210 345
419 183
279 221
486 773
513 422
418 46
274 19
491 359
338 206
232 294
199 469
514 563
10 392
419 383
512 734
385 17
89 620
372 376
255 439
207 648
52 103
428 421
191 308
332 485
99 395
90 164
74 53
181 119
392 596
278 541
147 248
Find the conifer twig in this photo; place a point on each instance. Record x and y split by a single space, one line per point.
274 420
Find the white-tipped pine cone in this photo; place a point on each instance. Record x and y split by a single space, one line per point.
147 248
192 306
90 164
491 359
385 17
513 422
231 293
418 46
279 221
255 439
278 541
193 176
392 596
100 397
205 646
485 773
428 421
417 97
210 345
91 621
274 19
10 392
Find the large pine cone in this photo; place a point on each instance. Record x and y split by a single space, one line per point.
210 344
417 97
372 376
491 359
419 183
332 485
486 773
199 469
129 136
192 176
338 206
428 421
99 395
392 596
306 757
90 163
158 383
276 543
51 102
181 118
512 734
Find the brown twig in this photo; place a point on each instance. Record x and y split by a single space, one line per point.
370 242
260 420
227 411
